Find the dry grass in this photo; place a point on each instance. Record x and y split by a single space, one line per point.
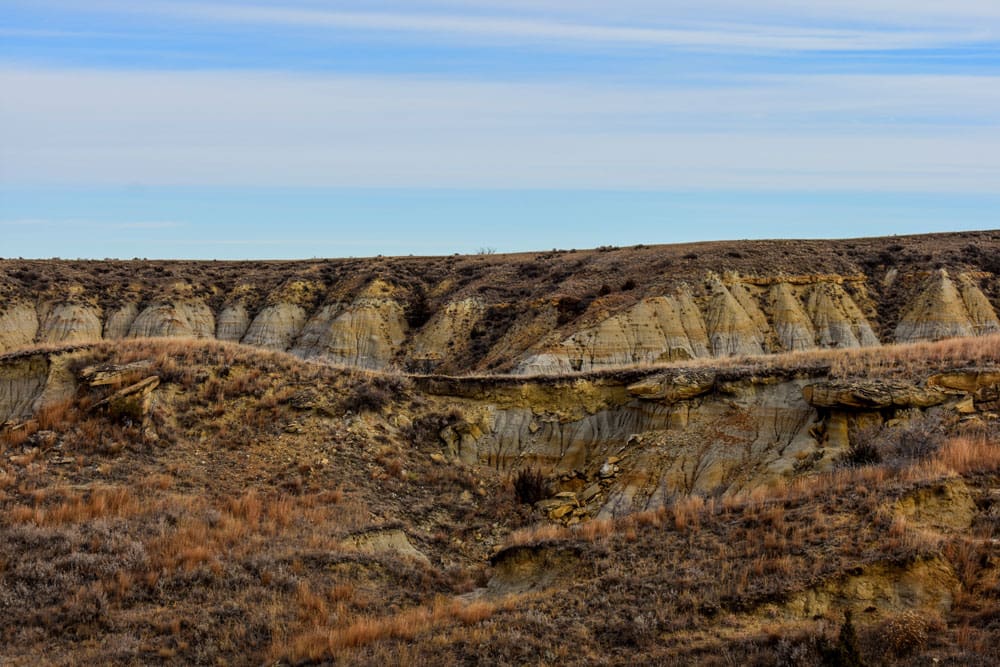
910 359
319 643
222 541
55 507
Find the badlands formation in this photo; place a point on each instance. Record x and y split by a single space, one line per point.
754 452
544 313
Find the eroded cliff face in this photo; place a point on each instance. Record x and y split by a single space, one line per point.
34 381
547 313
183 318
630 447
733 317
946 310
367 332
631 444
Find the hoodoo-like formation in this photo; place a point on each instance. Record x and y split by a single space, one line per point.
665 328
981 314
315 333
448 331
69 323
18 326
186 318
838 321
120 320
791 324
367 332
731 330
942 311
276 326
232 323
559 311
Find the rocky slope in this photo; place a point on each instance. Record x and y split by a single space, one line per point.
630 441
191 502
528 313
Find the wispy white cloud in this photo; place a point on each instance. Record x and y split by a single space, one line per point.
869 132
89 224
562 25
886 12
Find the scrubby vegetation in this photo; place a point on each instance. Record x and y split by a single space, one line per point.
264 510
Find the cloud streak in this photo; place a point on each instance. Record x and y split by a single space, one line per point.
570 29
914 133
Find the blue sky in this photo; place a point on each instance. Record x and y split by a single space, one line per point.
298 129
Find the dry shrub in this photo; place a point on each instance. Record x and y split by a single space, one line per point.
903 634
371 392
540 533
970 454
595 529
530 486
318 643
56 416
687 512
99 503
313 610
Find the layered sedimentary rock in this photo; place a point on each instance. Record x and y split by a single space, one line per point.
656 329
69 323
752 316
619 446
553 312
232 323
837 319
18 326
622 448
276 326
315 334
367 332
120 320
448 329
731 330
791 323
942 310
187 318
22 381
981 314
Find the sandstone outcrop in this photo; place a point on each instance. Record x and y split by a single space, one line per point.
69 323
366 333
312 341
929 585
875 394
188 318
120 321
276 326
791 323
837 319
384 540
981 314
447 331
656 329
22 381
18 326
943 505
941 310
731 330
232 323
624 445
562 311
635 449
